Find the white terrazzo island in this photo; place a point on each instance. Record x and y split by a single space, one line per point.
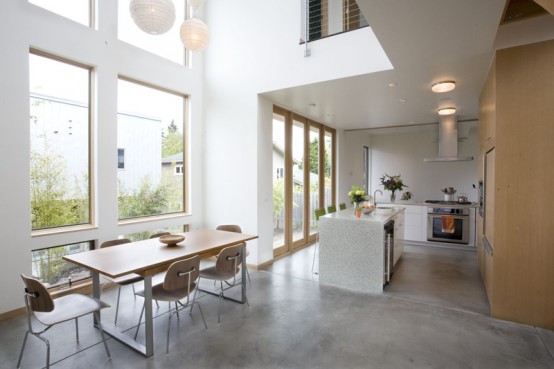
351 249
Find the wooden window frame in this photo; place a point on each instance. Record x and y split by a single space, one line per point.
290 118
91 144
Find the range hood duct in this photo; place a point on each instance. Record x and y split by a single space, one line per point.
448 140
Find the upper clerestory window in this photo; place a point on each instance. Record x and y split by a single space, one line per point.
78 10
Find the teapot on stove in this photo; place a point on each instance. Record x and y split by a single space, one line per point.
462 199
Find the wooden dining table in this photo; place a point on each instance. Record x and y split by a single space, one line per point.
147 258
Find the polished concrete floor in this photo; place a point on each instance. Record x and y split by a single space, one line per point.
433 315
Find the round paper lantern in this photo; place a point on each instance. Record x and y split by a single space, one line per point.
153 16
196 3
195 34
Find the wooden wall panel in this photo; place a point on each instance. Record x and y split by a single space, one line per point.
524 247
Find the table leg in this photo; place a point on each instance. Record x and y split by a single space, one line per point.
148 319
243 275
96 291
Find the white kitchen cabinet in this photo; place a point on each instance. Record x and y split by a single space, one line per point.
399 224
415 223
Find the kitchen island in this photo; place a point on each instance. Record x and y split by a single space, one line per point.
352 250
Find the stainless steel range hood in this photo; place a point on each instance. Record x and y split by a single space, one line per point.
448 140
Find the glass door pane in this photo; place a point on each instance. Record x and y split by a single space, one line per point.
298 181
278 181
328 170
314 176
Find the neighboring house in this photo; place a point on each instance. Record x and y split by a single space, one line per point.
172 170
139 147
279 167
138 141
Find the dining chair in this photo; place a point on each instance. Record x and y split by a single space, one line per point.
50 312
342 206
235 228
159 234
129 279
179 282
318 213
225 269
331 209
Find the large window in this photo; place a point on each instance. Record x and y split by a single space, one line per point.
315 201
167 45
150 126
78 10
278 181
60 149
305 150
49 267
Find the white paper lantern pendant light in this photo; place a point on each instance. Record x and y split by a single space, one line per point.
195 34
155 17
196 4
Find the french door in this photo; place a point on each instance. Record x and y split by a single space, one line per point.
303 178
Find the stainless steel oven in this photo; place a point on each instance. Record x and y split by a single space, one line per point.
448 224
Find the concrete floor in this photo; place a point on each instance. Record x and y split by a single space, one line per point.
434 315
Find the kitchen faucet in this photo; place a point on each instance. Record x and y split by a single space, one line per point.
374 198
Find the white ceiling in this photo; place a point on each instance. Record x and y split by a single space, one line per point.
426 41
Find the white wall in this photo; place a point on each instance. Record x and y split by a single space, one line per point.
23 26
351 159
254 48
404 153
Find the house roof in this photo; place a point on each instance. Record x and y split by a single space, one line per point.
175 158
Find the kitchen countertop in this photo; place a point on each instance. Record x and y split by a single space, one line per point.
378 215
423 203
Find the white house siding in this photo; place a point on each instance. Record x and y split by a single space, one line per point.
64 127
141 138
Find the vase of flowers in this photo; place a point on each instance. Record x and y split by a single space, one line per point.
392 183
357 196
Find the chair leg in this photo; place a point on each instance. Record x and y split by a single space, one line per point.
134 292
220 301
315 252
97 315
22 349
169 327
47 351
77 329
176 310
202 315
199 308
117 305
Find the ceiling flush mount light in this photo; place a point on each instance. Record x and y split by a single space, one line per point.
392 84
155 17
443 86
195 34
447 111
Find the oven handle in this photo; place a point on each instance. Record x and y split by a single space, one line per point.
456 216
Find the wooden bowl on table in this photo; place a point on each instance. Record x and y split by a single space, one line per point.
171 239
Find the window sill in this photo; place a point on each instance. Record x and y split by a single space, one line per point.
60 230
152 218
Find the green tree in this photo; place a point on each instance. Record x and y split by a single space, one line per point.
50 203
143 201
172 141
278 200
314 159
